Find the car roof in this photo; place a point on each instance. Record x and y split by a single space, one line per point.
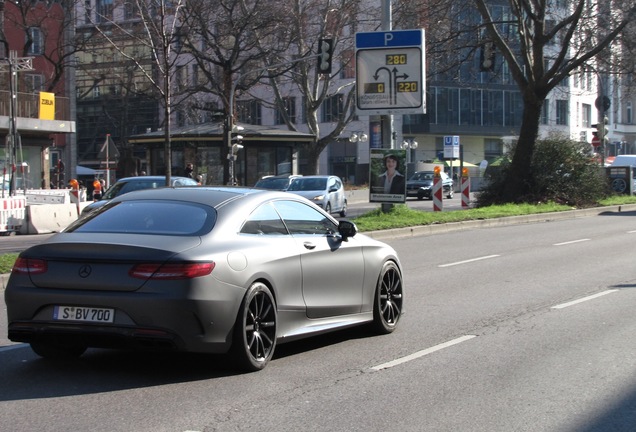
146 178
314 176
214 196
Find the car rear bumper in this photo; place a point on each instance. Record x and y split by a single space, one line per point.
199 319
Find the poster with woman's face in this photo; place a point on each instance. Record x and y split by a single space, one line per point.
387 176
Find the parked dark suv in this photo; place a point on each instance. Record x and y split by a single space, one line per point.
420 185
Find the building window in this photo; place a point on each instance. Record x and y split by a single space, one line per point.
562 112
289 105
104 10
493 148
34 83
348 65
332 108
34 37
629 119
130 10
545 112
586 116
249 111
180 78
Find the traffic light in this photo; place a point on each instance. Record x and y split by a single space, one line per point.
602 131
325 55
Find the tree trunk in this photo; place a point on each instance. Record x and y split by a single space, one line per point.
313 156
519 178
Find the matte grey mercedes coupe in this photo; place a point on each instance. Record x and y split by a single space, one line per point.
203 269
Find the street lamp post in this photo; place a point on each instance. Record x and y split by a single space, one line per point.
358 136
408 145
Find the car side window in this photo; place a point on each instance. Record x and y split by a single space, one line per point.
264 221
303 219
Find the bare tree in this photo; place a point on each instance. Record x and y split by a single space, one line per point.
545 43
49 30
308 22
224 39
148 41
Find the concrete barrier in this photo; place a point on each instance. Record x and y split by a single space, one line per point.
48 218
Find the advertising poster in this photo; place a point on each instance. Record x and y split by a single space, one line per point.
387 176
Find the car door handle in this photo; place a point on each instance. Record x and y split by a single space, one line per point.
309 245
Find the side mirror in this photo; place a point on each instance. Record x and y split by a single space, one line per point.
347 229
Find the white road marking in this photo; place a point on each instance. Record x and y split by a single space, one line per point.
422 353
468 261
631 232
581 300
570 242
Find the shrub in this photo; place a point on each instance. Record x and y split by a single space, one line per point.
562 171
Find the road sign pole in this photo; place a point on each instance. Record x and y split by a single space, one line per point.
387 120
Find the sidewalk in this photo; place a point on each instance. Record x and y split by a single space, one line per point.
357 195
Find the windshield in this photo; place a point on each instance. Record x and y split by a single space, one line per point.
273 183
308 184
422 176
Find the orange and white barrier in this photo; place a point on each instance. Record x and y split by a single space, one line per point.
438 204
465 190
12 214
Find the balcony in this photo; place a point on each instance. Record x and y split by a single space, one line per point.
28 112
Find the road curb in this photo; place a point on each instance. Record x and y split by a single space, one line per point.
424 230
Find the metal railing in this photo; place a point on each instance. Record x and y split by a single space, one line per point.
29 105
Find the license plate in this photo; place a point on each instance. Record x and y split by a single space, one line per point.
85 314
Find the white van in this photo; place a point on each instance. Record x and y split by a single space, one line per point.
627 160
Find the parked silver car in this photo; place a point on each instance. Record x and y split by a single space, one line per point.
210 270
326 192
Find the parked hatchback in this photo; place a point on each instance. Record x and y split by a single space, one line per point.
327 192
129 184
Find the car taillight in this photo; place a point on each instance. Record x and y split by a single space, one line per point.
29 266
171 271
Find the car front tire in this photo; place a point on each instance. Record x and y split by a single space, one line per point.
343 212
255 329
387 307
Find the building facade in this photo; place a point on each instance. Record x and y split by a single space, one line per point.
32 77
478 102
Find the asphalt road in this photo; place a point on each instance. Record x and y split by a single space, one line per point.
526 327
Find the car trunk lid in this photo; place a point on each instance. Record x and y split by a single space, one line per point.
103 264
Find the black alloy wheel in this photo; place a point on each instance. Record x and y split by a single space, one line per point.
255 329
387 307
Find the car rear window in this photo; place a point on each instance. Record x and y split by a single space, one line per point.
148 217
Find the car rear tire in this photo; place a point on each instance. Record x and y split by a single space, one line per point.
343 212
255 329
387 307
57 351
450 193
